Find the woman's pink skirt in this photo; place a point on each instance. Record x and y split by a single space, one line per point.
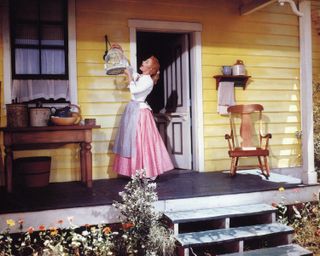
151 153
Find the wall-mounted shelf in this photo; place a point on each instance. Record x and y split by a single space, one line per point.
239 81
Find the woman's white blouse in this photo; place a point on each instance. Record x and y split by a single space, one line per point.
140 88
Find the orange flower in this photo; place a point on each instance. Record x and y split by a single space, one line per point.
42 228
274 204
318 232
30 230
20 222
106 230
127 225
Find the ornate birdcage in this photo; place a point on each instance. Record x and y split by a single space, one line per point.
115 60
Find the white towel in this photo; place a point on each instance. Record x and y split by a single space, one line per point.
225 97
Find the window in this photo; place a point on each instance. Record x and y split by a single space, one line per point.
39 49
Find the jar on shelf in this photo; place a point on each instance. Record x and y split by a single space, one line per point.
238 69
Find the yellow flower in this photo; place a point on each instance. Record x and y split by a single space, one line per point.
53 231
11 222
281 189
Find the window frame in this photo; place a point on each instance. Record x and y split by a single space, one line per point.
72 50
14 21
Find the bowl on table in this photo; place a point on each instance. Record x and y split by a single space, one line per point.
57 120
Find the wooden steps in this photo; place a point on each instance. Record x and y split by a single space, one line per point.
235 230
224 217
284 250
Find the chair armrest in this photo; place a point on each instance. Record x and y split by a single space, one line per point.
227 136
230 141
268 135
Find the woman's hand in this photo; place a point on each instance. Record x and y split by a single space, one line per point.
128 73
117 46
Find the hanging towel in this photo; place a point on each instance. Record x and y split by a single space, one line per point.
225 97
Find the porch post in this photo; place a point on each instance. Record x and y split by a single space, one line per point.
309 176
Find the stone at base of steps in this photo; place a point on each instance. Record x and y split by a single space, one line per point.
284 250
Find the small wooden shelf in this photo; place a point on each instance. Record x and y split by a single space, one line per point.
239 81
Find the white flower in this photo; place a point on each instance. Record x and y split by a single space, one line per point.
85 233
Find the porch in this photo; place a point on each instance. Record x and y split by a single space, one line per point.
177 190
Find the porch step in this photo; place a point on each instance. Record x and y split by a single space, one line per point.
224 217
284 250
239 234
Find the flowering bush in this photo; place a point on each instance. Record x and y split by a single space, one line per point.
305 219
141 232
316 124
88 240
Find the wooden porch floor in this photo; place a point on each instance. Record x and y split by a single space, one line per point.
176 184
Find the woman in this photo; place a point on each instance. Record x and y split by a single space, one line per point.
138 144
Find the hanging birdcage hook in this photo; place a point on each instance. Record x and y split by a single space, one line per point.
107 42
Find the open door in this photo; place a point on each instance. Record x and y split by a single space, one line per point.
170 98
176 79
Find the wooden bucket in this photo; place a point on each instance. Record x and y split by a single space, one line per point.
32 171
17 115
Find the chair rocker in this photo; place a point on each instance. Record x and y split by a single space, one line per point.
251 144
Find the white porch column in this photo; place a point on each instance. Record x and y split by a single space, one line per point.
309 176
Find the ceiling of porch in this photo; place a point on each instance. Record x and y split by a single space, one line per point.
249 6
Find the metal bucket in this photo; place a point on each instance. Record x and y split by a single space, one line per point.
39 116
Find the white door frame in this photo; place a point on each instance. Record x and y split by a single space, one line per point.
196 83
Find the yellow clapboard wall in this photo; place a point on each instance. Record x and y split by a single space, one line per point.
267 41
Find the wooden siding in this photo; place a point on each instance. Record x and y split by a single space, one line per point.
267 41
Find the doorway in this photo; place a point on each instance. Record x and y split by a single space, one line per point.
170 99
193 30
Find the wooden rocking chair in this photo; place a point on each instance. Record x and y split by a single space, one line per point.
247 147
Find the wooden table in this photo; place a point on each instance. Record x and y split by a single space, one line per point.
49 137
